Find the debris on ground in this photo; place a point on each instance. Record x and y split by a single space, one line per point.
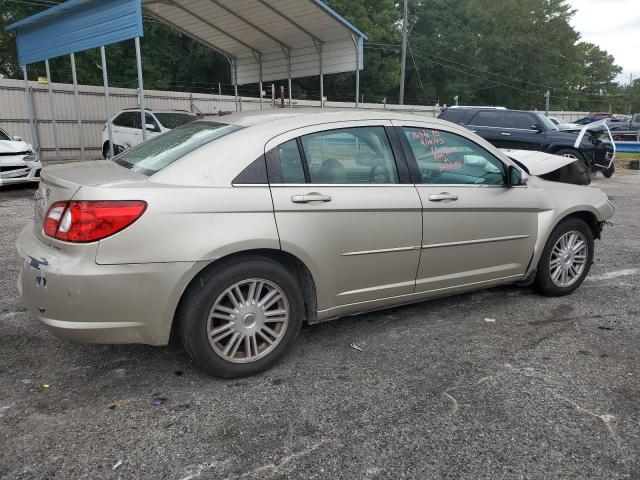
158 401
490 320
181 407
45 385
179 373
118 463
355 347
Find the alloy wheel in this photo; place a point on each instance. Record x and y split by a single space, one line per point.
568 259
248 320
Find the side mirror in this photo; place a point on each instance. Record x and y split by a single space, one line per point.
516 177
17 138
151 127
537 127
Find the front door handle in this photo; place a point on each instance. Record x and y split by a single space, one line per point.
438 197
310 197
506 134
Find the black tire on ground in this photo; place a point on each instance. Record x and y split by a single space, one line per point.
544 282
193 314
117 149
609 171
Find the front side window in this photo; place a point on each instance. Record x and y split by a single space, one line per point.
358 155
3 135
153 155
447 158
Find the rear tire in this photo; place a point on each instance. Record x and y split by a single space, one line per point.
223 325
566 258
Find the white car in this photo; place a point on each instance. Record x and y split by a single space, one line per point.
18 162
126 129
562 125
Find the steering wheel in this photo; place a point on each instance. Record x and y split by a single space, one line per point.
376 171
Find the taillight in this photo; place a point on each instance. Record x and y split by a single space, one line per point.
90 220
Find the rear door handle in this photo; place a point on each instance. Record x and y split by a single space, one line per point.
506 134
310 197
438 197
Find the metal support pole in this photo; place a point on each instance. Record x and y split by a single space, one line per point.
52 111
546 102
403 61
143 113
27 89
235 83
261 105
356 43
273 96
107 103
76 102
219 96
321 78
289 78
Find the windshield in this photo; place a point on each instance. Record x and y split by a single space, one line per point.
174 120
152 156
548 124
3 135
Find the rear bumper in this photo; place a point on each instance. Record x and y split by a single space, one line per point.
79 300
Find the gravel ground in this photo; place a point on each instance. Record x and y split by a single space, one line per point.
549 390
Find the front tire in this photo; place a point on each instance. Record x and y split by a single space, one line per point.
609 171
566 258
241 317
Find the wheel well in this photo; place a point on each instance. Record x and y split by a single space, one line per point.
289 261
590 219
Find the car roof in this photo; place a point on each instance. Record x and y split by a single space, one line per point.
313 116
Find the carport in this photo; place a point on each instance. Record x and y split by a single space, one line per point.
263 40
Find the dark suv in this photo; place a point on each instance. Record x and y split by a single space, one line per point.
524 130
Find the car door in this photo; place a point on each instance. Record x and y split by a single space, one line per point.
476 230
488 125
518 132
345 205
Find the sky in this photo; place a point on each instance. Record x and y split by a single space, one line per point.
613 25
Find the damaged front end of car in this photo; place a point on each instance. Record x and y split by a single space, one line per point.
550 167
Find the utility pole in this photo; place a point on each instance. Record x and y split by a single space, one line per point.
403 61
630 84
546 102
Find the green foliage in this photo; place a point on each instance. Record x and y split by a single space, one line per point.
489 52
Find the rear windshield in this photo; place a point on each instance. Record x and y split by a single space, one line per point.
153 155
174 120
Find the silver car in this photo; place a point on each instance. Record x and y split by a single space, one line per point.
232 231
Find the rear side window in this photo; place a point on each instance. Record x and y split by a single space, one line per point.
452 115
447 158
155 154
350 156
487 118
126 119
284 163
520 120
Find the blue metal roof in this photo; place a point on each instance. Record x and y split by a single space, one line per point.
76 25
